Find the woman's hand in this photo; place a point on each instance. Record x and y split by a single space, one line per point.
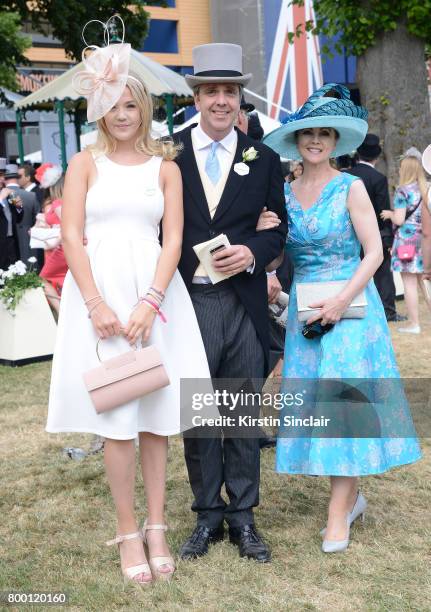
105 321
140 324
274 288
267 220
386 214
330 310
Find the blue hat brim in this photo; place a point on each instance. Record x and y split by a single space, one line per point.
352 131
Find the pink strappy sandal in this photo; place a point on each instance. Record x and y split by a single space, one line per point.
156 563
131 573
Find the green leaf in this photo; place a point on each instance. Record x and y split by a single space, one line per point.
358 23
12 47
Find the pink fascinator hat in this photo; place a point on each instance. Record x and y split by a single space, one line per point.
105 75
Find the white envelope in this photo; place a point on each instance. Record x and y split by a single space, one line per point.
204 252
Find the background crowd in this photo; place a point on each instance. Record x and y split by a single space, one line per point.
31 197
404 219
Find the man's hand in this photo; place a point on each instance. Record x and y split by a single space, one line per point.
233 259
4 193
274 288
17 202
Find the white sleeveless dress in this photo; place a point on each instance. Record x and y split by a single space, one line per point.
123 211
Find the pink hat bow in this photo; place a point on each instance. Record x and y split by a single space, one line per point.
104 78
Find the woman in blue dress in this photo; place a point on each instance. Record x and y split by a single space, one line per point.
330 218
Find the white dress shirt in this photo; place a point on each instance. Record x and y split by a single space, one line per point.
361 161
225 154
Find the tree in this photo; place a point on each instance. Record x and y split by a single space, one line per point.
388 37
66 19
12 47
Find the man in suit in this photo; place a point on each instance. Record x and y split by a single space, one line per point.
30 208
225 194
26 180
11 212
376 185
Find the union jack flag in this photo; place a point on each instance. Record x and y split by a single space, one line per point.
295 69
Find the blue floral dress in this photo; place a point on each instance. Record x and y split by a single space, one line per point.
323 246
410 232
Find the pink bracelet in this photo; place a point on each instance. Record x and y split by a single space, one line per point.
154 306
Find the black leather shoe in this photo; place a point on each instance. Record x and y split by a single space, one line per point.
250 543
198 543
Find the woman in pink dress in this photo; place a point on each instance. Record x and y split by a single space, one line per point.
55 266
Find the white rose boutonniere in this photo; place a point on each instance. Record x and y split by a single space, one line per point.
250 154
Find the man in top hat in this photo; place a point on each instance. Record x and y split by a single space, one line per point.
11 212
225 191
30 208
376 185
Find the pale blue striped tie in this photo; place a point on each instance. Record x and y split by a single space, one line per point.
212 164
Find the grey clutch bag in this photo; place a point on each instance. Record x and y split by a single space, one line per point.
308 293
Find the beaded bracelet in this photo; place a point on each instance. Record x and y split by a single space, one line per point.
161 293
95 306
92 299
155 297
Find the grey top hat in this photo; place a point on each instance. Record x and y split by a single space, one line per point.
3 161
11 171
217 63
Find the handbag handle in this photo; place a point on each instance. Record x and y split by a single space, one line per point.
135 348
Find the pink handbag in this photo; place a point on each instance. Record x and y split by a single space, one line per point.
125 378
406 252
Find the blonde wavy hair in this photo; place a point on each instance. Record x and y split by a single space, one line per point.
411 171
105 143
56 190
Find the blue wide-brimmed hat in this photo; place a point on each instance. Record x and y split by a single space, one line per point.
323 111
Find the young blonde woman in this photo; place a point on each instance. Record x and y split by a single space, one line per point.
407 247
116 195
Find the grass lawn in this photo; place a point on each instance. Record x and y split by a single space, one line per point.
57 514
